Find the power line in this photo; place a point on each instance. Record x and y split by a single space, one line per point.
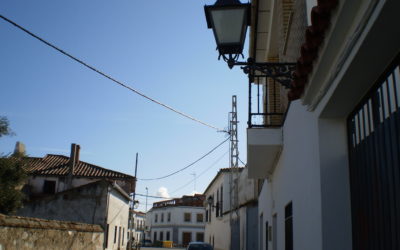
191 164
212 165
156 197
244 164
107 76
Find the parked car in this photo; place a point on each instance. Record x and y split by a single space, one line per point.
147 243
199 246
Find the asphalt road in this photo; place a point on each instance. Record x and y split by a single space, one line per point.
159 248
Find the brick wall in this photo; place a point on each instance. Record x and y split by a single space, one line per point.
31 233
292 36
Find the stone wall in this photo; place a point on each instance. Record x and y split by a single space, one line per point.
86 204
31 233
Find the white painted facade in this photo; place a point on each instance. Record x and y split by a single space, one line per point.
102 203
218 230
311 170
137 232
117 220
168 223
218 226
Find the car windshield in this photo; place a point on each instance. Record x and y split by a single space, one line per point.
199 247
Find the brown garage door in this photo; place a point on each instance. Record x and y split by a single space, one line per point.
187 237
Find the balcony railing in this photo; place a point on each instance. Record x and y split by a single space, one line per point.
265 103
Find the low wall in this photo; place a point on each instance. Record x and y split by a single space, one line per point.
31 233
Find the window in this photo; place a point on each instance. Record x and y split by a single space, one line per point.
266 235
169 217
221 202
115 234
206 215
119 236
199 217
200 237
155 236
261 234
106 236
275 232
162 217
187 217
161 236
123 235
167 235
156 218
49 187
217 205
288 227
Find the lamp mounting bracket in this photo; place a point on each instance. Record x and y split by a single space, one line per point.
279 71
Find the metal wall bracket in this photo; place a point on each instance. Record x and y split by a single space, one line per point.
280 72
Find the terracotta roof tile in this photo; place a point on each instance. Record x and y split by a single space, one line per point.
59 165
315 35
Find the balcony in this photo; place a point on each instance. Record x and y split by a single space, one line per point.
264 133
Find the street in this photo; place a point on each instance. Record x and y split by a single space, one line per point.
158 248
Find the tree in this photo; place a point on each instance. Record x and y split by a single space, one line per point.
12 176
5 127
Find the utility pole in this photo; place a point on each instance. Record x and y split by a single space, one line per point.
133 196
147 193
234 174
234 154
194 176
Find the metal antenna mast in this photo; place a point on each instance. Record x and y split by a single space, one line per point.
234 155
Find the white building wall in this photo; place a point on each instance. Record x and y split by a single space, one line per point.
117 220
139 227
296 179
177 222
217 231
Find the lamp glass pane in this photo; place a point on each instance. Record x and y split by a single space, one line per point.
228 25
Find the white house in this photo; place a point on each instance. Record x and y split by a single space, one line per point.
178 220
328 162
137 226
56 173
91 193
218 205
102 202
232 227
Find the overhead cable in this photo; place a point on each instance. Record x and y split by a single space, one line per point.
153 196
191 164
107 76
211 166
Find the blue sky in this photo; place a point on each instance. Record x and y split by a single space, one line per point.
161 48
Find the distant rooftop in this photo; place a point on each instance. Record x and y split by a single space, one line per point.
186 200
58 165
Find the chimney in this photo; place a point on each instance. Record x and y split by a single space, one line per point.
19 149
74 157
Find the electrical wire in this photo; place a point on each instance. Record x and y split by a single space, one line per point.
109 77
156 197
211 166
191 164
242 162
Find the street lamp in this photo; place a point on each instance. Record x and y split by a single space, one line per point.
210 201
229 20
